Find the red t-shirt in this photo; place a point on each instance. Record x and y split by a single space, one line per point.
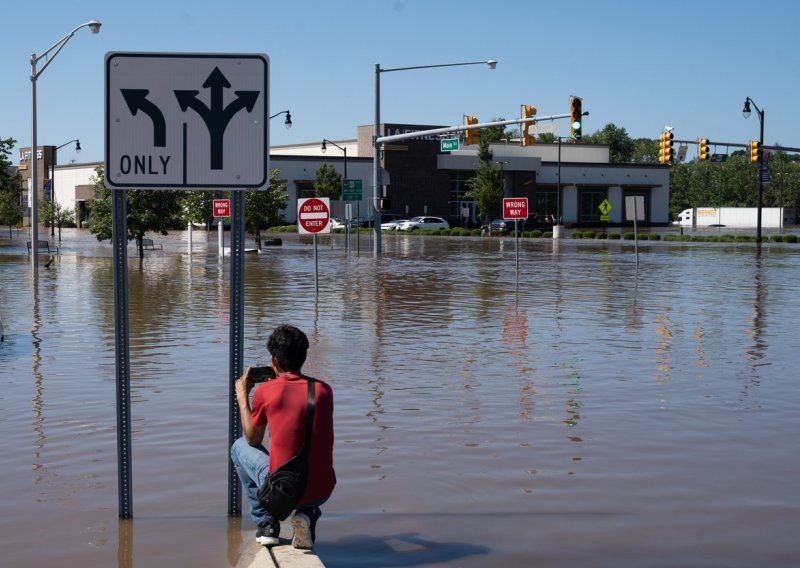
281 405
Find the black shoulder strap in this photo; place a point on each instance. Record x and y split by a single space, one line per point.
310 406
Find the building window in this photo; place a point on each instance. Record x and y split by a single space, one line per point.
590 206
546 205
458 200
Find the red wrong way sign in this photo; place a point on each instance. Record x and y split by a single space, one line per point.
515 208
222 208
314 215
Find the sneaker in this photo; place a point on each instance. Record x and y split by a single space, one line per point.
268 532
304 527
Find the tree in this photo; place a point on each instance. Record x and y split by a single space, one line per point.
263 207
147 210
486 187
10 187
328 182
620 145
196 207
57 216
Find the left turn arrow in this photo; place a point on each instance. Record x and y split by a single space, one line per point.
137 101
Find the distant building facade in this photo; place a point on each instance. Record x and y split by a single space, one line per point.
569 181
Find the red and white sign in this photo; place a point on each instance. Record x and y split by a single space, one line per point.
314 215
515 208
222 208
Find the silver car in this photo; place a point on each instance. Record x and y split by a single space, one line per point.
425 222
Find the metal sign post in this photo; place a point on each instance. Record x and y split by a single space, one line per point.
184 121
515 208
634 210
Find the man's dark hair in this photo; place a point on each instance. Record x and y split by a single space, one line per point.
289 346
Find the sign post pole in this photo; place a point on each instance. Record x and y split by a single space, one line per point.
314 217
515 208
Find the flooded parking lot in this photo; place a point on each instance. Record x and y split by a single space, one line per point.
579 411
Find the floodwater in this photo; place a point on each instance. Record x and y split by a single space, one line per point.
582 412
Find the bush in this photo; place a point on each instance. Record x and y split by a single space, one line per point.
588 234
536 233
547 235
653 237
613 236
726 238
792 238
601 236
576 235
776 238
628 236
475 232
745 239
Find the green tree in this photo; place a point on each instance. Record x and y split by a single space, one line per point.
57 217
147 210
327 182
620 145
263 207
196 207
486 186
645 151
10 187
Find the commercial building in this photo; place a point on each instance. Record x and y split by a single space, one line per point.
567 181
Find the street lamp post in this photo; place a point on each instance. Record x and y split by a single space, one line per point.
344 151
746 112
376 174
53 185
94 27
288 121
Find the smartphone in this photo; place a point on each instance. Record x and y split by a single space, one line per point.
262 374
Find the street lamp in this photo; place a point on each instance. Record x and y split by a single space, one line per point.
53 184
746 113
94 27
288 121
344 151
376 174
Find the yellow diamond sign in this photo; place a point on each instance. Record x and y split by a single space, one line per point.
605 207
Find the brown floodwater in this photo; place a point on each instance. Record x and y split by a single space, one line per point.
581 412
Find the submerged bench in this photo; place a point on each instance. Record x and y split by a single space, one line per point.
149 244
42 245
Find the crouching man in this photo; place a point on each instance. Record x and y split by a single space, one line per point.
280 405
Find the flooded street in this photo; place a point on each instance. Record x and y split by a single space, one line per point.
581 412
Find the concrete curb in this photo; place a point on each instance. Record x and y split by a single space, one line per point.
283 555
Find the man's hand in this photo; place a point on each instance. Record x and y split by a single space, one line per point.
244 385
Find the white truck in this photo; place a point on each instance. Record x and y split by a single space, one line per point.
736 217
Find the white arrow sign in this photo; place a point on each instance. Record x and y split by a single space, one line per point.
183 120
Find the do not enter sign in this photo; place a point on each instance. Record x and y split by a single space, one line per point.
314 215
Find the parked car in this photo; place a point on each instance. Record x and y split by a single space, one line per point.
391 225
337 223
425 222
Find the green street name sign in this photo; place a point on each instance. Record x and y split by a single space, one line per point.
351 190
448 144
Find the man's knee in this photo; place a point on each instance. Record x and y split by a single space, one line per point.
236 447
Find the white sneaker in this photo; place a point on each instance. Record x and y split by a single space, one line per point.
301 527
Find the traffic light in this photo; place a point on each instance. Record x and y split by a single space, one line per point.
665 151
575 119
528 111
702 150
471 136
755 151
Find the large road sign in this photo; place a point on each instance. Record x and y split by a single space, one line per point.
186 120
314 215
515 208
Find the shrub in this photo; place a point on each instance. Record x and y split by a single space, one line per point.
601 236
576 235
475 232
726 238
628 236
776 238
791 238
745 238
653 237
547 235
670 237
536 233
613 236
589 234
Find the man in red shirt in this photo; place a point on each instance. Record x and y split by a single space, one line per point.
280 404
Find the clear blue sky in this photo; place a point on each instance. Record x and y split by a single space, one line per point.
640 65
